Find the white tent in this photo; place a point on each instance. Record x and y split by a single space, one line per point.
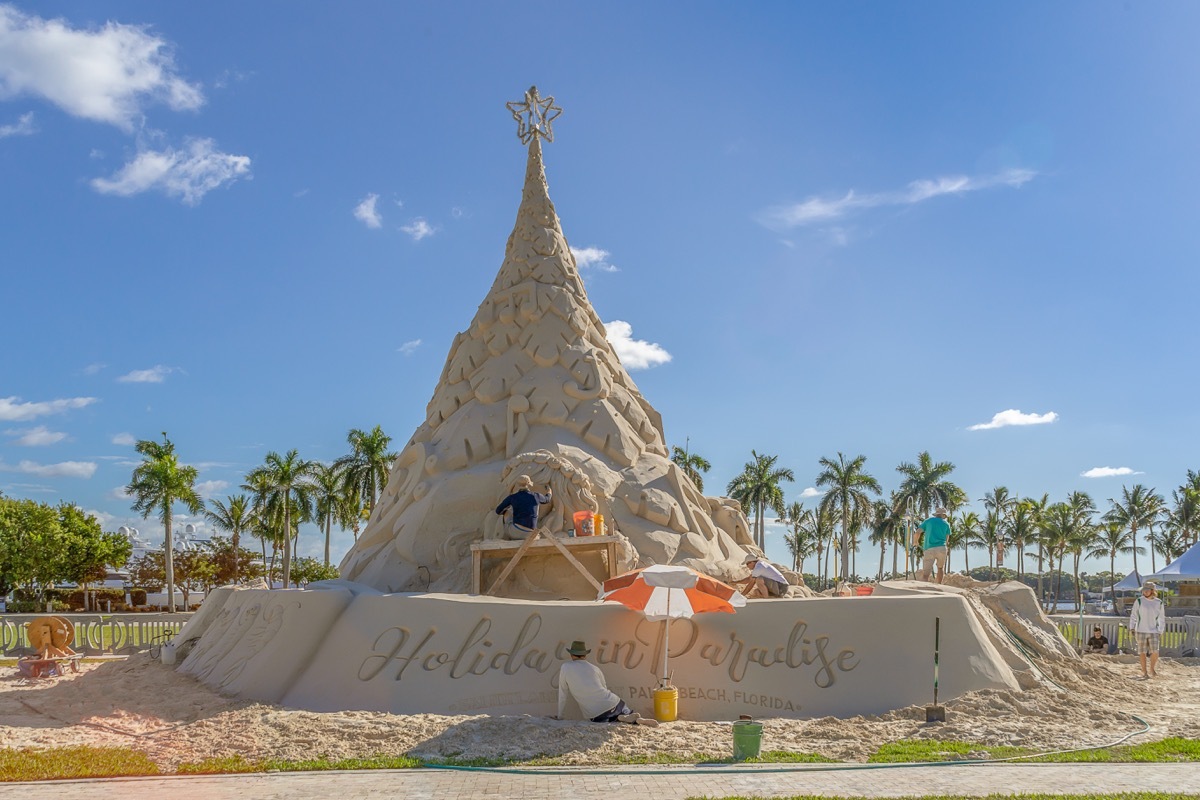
1130 583
1184 568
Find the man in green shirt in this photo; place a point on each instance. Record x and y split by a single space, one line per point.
931 535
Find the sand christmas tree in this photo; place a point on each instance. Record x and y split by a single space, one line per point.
533 387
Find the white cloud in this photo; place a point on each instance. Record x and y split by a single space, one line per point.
1012 416
365 212
36 437
103 74
634 353
156 374
13 410
124 439
22 127
816 210
592 257
209 488
811 491
1108 472
63 469
119 493
188 173
418 229
410 347
92 369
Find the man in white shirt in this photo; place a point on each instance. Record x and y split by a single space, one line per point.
585 683
764 580
1147 621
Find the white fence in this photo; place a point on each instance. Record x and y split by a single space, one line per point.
1181 638
96 634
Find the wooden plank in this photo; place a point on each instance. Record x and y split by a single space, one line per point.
575 543
575 562
476 570
508 568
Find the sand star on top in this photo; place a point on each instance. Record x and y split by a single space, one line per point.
534 115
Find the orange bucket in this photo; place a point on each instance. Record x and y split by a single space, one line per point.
584 523
864 591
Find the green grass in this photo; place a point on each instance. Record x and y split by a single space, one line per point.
1173 749
234 764
74 762
97 762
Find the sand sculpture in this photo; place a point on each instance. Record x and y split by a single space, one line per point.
533 387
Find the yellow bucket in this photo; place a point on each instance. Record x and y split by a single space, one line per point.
666 704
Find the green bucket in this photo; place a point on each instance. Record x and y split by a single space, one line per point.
747 739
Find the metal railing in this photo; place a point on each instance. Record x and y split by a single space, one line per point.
1181 637
96 634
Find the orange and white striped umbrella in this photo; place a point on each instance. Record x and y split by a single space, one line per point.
670 592
665 592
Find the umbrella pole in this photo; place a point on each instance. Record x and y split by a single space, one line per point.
666 639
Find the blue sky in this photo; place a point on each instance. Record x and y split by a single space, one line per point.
877 228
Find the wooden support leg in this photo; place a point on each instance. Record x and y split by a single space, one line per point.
508 568
575 562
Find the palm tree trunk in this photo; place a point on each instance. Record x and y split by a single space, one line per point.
967 557
1112 577
882 556
1153 548
328 527
169 557
287 539
235 543
845 554
895 558
1133 530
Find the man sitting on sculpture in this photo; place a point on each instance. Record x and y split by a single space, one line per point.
764 579
524 503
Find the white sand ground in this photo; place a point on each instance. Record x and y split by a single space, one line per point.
139 703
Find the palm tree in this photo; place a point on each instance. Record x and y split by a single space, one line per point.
1000 502
692 465
758 488
157 484
964 532
1112 540
991 536
1133 512
330 501
1037 509
365 470
1156 508
925 484
798 541
848 491
887 528
819 529
1022 528
286 481
237 518
1185 514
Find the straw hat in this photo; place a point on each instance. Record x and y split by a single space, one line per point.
1149 586
940 511
751 558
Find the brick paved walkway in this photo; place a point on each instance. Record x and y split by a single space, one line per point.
661 783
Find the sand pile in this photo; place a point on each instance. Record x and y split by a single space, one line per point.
1074 702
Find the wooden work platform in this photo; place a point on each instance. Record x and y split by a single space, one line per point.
540 543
